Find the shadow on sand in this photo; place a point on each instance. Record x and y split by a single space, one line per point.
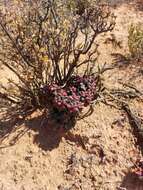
48 135
131 182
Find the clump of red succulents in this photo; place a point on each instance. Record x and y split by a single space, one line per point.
68 101
138 169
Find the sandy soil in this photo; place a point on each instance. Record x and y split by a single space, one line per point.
96 154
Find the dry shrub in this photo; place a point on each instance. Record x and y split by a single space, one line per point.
135 41
44 43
